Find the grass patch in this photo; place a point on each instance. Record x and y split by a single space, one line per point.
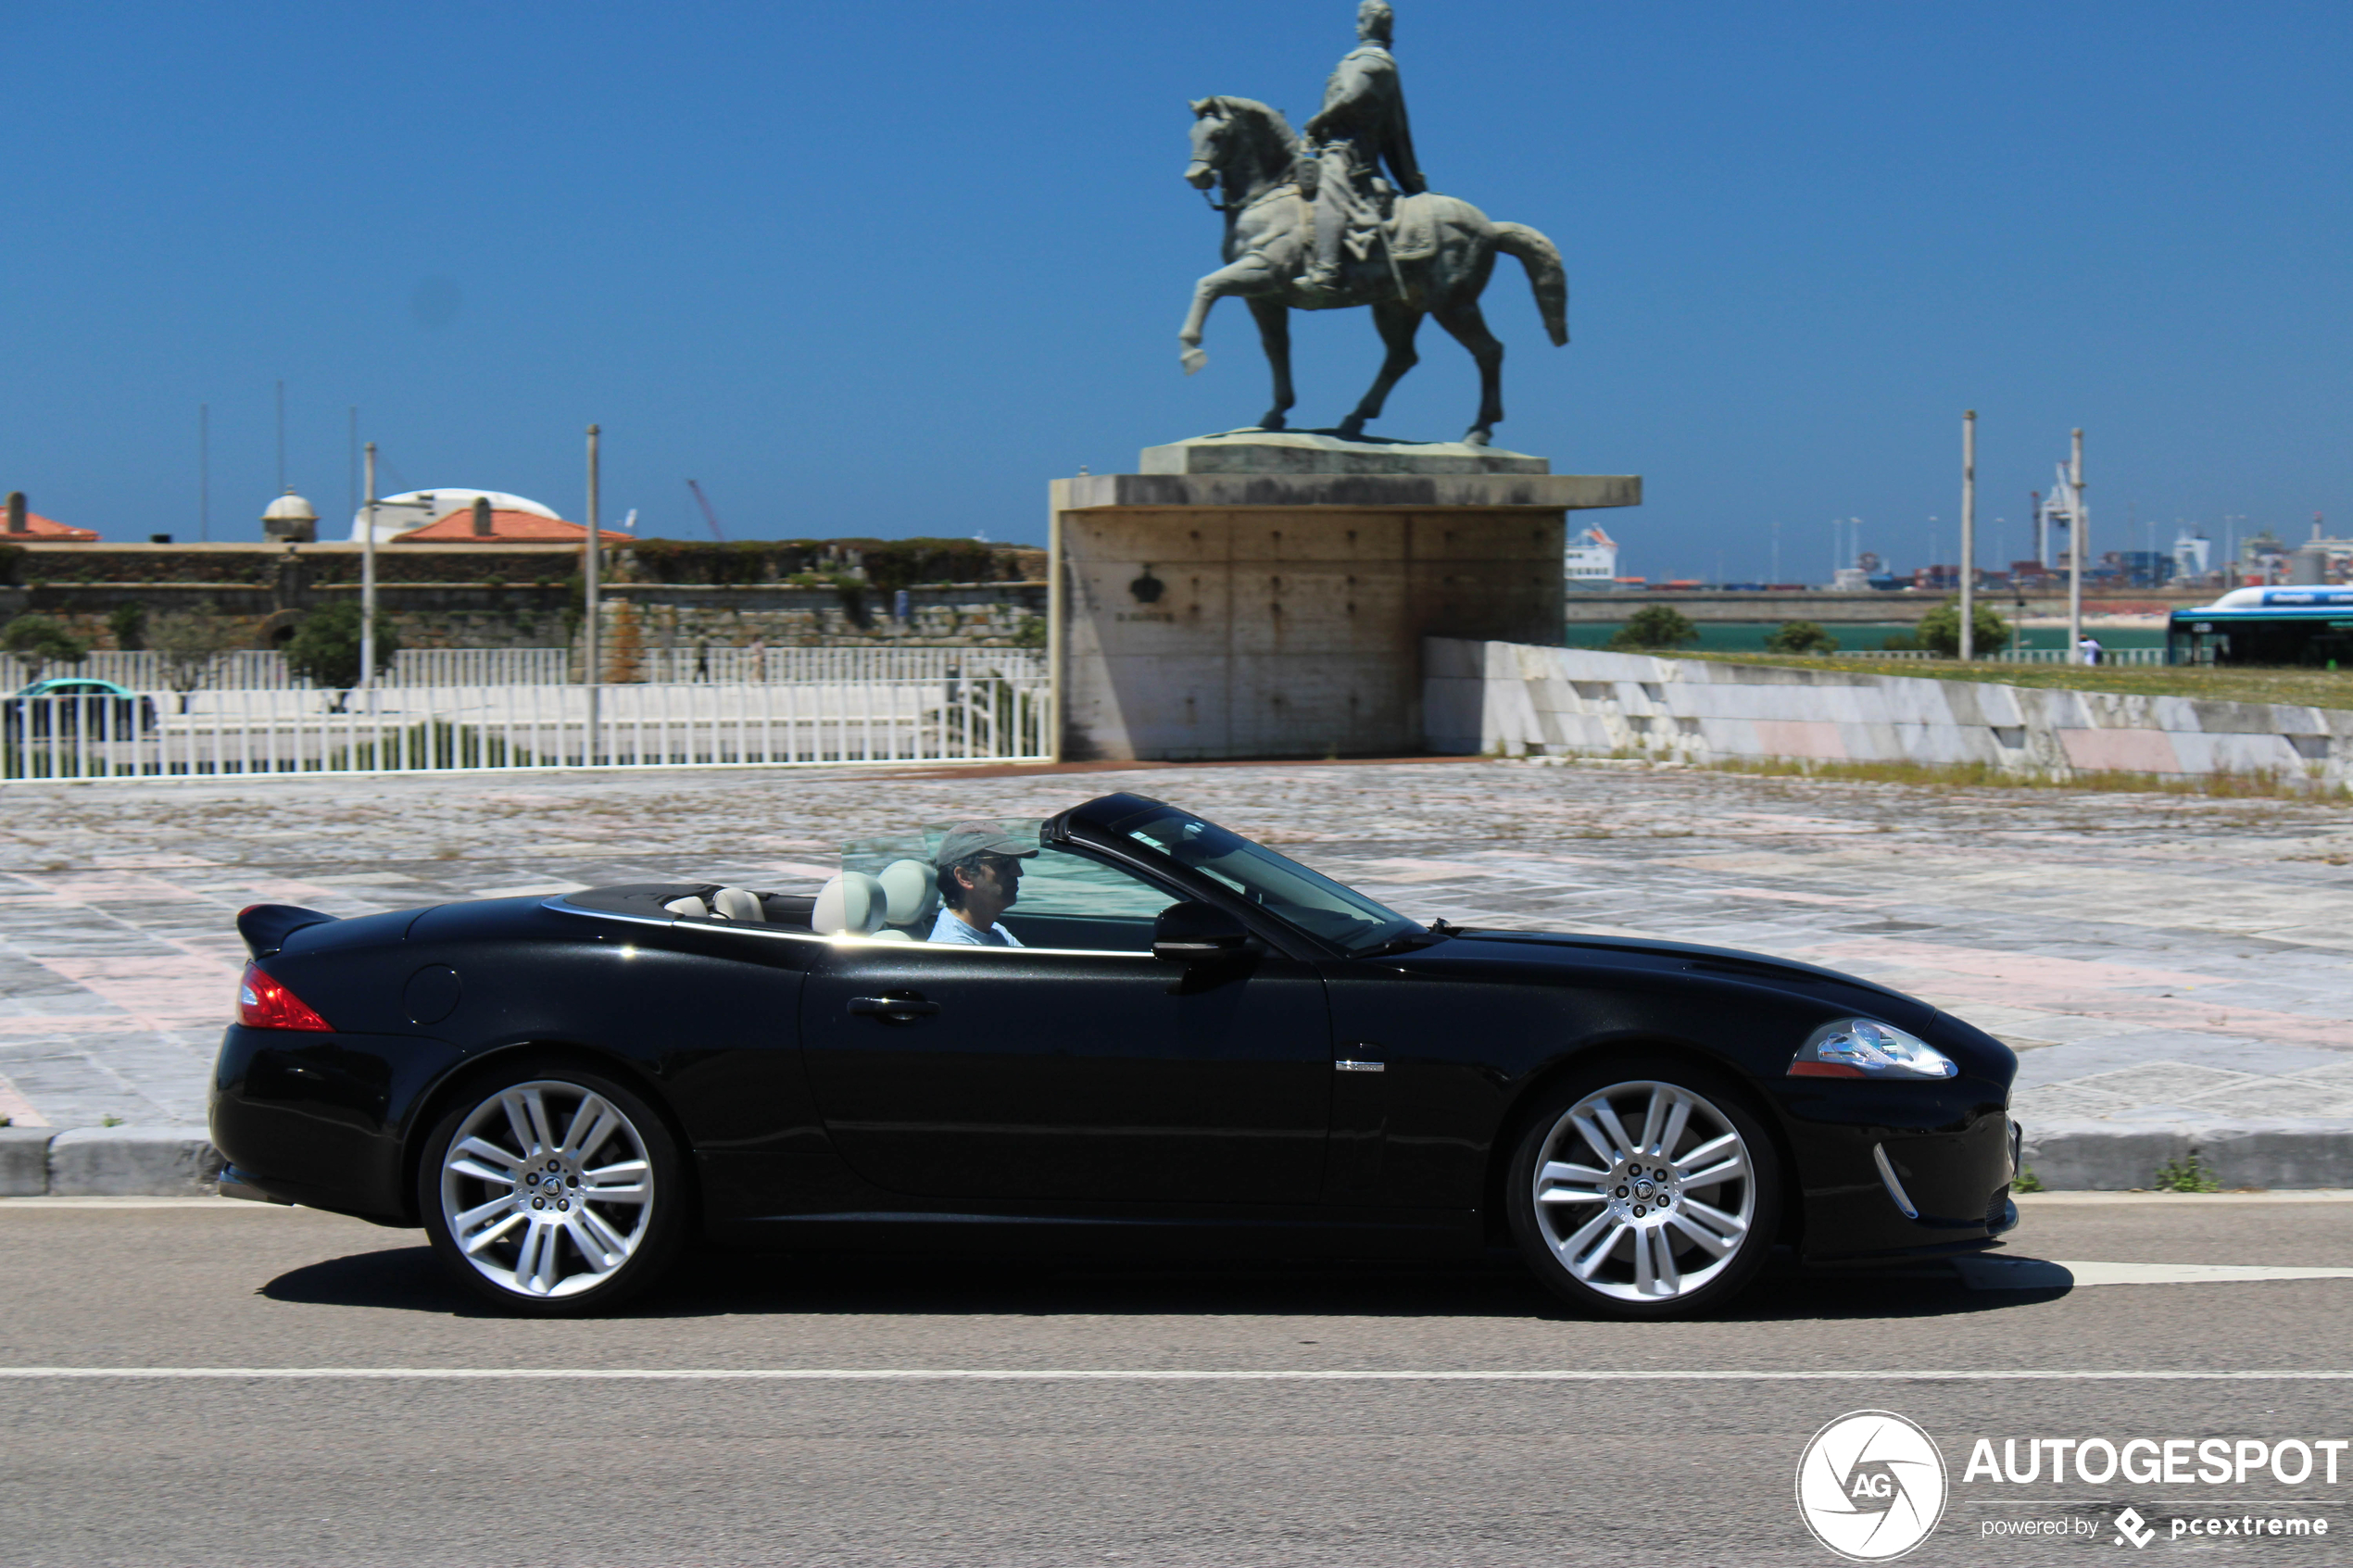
2027 1181
2189 1174
1985 775
2303 687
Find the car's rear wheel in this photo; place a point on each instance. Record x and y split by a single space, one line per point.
553 1190
1645 1197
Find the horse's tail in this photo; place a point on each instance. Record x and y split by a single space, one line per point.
1546 274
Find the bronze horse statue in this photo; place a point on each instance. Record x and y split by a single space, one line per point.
1251 151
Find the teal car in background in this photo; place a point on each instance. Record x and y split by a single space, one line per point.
75 704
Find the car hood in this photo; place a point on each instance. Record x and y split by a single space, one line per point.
1570 950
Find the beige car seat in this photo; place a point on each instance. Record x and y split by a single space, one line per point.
728 903
852 904
912 887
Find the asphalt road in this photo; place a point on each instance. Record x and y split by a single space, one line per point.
1388 1464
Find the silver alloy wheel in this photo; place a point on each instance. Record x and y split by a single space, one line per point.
547 1190
1622 1209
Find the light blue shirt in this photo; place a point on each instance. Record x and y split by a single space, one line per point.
951 927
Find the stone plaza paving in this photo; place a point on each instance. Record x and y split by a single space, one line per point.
2157 959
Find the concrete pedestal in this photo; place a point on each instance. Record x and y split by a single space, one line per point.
1268 597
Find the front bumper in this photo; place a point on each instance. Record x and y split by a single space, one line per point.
1879 1192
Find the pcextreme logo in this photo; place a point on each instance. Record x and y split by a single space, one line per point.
1871 1485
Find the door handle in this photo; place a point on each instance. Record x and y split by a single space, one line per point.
901 1007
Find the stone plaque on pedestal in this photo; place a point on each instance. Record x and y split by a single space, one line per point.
1265 594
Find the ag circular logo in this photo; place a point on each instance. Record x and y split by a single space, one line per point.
1871 1485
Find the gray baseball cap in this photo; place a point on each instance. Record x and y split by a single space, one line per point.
967 839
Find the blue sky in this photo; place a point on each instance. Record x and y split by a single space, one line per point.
888 269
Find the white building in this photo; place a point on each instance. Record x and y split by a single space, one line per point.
1592 560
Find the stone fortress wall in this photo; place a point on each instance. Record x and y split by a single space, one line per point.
794 594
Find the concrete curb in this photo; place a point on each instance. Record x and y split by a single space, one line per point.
24 1160
2064 1156
133 1162
2113 1157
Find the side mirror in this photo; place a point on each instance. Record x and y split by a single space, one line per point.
1193 933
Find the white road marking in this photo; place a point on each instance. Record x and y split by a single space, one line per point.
2031 1200
2036 1274
1128 1374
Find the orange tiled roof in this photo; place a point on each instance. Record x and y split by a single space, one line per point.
507 528
49 530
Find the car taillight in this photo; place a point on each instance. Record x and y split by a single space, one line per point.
263 1003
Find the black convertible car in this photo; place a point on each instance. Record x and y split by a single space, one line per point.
1189 1044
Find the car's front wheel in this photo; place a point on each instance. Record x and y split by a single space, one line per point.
553 1190
1645 1197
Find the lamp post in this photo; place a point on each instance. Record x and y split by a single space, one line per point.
368 588
1969 535
2079 528
589 673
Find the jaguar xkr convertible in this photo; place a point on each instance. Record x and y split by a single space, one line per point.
1178 1043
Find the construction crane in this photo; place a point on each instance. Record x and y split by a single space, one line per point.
707 515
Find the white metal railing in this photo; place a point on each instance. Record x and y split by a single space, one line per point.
706 662
265 669
480 666
2007 656
489 728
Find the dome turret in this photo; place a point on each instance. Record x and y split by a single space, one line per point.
290 519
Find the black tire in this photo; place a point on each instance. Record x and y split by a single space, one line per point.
581 1215
1623 1252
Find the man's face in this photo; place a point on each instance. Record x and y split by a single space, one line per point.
995 882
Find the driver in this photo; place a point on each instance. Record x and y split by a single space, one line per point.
979 878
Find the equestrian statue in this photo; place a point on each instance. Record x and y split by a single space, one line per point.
1341 218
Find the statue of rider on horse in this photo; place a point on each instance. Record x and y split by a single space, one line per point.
1361 127
1313 225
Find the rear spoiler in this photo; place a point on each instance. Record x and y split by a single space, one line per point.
265 927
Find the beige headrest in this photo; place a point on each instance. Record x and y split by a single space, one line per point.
852 904
914 890
737 904
690 906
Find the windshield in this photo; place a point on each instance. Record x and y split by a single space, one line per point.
1307 899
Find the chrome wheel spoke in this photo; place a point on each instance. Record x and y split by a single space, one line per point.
464 1223
1654 1271
1676 1121
518 1122
1714 1149
604 1247
1717 1243
1584 1267
599 1119
1654 1120
536 1266
1596 1139
1723 1170
475 1241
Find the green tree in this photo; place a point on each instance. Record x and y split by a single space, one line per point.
1940 628
1801 636
129 625
39 642
189 643
1655 626
325 649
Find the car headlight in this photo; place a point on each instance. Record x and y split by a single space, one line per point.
1857 1047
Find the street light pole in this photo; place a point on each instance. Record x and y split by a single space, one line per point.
1969 535
368 588
2078 529
589 673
